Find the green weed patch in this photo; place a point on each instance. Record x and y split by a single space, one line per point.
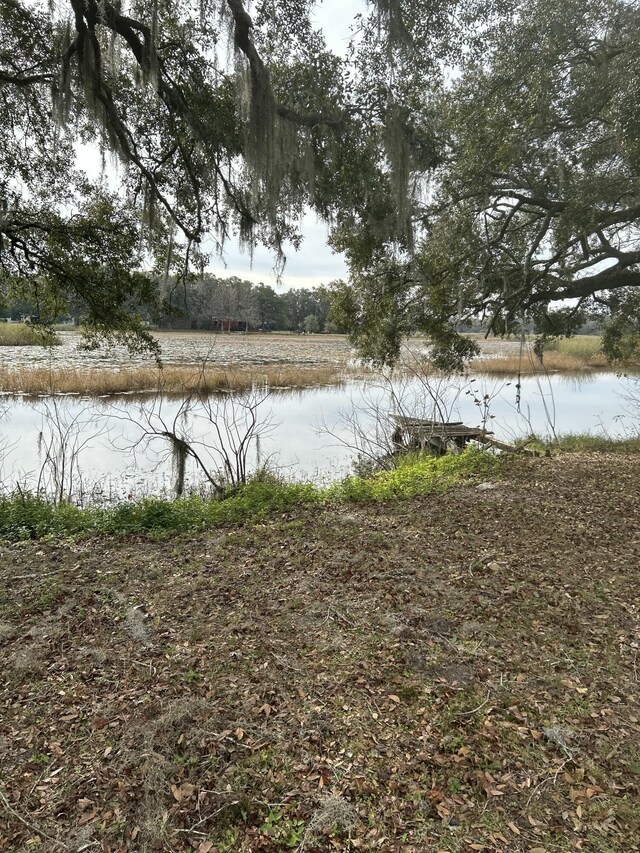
26 516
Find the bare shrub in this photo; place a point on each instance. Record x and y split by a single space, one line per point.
218 434
62 438
369 427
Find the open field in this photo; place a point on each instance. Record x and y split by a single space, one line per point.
454 672
212 361
192 348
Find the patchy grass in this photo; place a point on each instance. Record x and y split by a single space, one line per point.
585 442
26 335
31 517
25 516
452 672
415 475
561 355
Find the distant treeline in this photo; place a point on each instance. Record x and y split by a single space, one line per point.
231 304
215 304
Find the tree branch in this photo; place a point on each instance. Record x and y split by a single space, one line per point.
612 278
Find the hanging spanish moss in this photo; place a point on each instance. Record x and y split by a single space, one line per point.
391 22
278 156
90 71
179 454
150 59
225 24
262 138
278 153
61 87
169 259
113 56
149 208
398 153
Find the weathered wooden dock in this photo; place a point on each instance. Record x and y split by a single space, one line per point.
437 436
441 437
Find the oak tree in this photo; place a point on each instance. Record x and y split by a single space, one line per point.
533 213
472 158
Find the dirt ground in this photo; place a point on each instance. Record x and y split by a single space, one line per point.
455 673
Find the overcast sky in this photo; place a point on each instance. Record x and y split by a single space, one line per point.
312 265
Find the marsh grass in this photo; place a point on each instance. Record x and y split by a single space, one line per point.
26 335
585 347
233 372
172 379
565 355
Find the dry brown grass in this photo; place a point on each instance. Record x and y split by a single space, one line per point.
554 362
174 379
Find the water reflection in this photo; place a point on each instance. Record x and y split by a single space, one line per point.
312 435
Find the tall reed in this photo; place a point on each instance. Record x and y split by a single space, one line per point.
553 362
172 379
26 335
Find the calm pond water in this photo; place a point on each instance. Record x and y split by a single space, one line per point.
313 434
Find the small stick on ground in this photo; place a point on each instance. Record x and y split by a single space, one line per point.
9 808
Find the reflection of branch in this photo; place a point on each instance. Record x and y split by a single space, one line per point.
368 428
5 447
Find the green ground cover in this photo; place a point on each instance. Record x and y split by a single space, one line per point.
25 516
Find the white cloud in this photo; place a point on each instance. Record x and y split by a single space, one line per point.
335 18
313 264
